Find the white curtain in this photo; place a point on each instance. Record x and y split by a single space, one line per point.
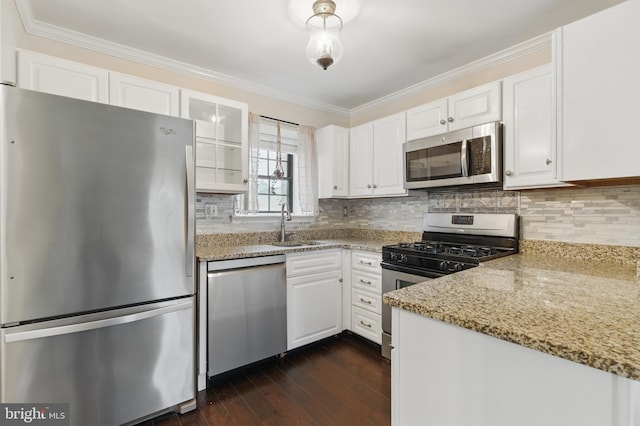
307 171
248 203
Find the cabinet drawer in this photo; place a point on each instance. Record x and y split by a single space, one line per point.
313 262
365 261
366 324
367 300
366 281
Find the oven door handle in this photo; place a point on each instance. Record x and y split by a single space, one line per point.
412 271
464 159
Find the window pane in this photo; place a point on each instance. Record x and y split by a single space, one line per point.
262 167
263 202
275 187
263 186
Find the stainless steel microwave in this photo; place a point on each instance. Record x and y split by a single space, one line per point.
463 157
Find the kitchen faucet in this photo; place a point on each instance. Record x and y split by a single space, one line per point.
283 209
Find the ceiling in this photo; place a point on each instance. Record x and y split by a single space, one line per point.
260 44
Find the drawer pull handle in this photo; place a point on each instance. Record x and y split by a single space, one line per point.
368 302
365 282
362 262
365 324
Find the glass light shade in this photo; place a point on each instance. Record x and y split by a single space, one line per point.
325 47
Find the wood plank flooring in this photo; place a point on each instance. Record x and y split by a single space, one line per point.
339 381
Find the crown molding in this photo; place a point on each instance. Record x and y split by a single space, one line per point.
41 29
537 43
38 28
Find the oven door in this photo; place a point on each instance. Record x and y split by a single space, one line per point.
395 277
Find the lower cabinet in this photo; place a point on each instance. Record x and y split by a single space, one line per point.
366 295
446 375
314 296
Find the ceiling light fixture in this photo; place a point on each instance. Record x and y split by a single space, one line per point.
324 26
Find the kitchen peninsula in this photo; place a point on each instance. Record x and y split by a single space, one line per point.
525 340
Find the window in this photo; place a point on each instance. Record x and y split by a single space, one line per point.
298 189
272 193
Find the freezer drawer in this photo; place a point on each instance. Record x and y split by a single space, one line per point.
112 367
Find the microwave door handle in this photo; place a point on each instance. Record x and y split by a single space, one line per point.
463 159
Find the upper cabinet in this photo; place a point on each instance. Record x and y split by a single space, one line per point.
144 95
469 108
61 77
221 141
375 158
333 162
597 70
530 130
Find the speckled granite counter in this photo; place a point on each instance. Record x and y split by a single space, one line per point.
242 251
243 245
582 311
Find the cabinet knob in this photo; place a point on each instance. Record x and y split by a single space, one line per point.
443 121
508 173
375 186
548 161
335 186
369 186
340 280
450 119
245 181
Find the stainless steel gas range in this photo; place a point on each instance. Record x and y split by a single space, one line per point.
451 242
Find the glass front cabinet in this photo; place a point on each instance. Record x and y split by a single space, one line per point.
221 141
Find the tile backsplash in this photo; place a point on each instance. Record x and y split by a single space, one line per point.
603 215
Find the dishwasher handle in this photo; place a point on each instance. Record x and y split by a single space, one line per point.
248 262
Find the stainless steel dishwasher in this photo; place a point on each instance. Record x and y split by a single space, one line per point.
247 311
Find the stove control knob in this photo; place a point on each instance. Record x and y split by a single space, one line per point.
457 267
443 265
394 256
403 258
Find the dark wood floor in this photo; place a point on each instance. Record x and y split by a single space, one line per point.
339 381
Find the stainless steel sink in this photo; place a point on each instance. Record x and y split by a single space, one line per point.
295 243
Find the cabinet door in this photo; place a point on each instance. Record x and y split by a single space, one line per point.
221 141
61 77
361 160
598 68
389 134
427 120
530 130
333 161
314 308
475 106
144 95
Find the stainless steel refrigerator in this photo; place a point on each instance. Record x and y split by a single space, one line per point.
97 258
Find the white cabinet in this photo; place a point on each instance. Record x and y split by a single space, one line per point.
221 141
314 296
61 77
375 158
366 295
446 375
530 130
597 69
144 95
333 161
469 108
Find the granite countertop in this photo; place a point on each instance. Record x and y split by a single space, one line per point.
227 252
587 312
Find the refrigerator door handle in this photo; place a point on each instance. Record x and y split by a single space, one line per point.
190 212
93 325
